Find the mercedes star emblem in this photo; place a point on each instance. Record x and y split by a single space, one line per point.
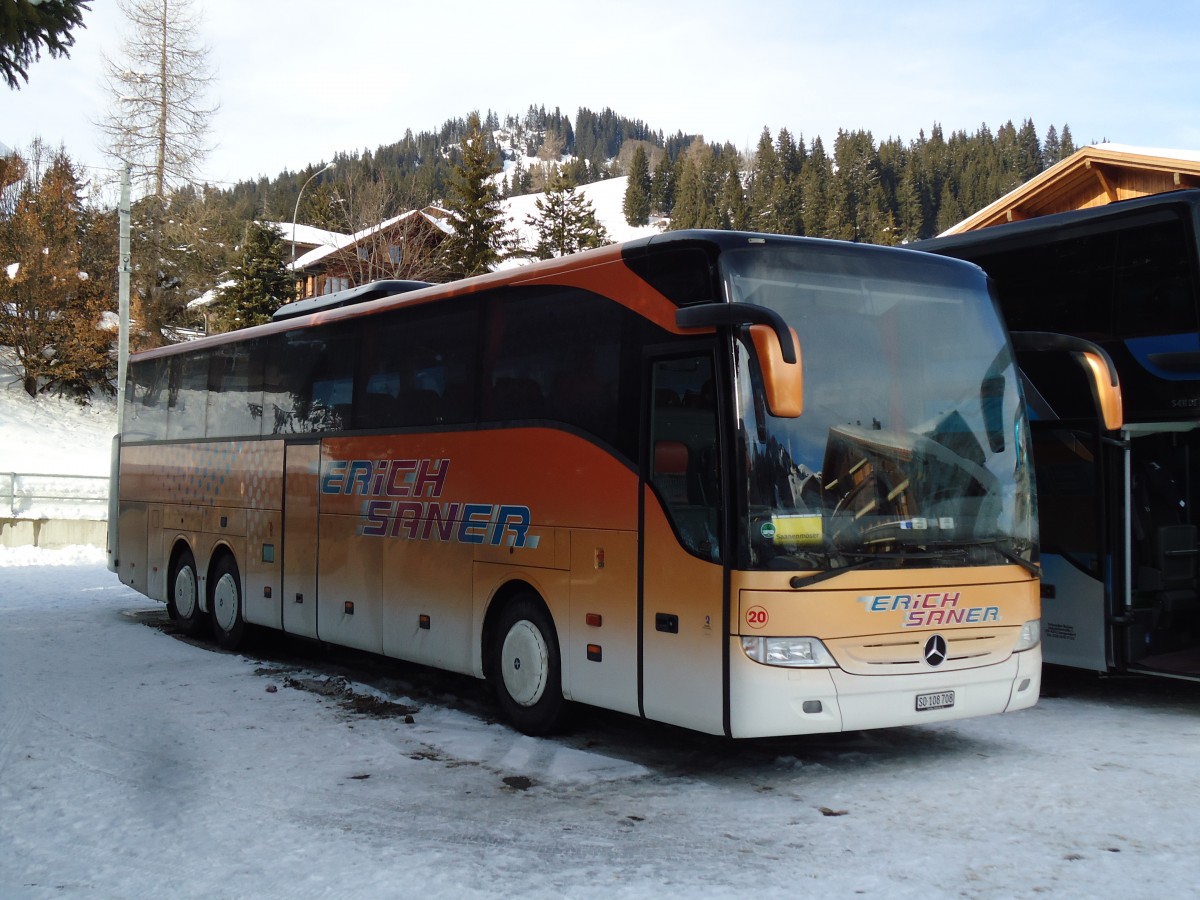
935 650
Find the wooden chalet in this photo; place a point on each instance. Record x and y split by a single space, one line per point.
1092 176
302 238
402 247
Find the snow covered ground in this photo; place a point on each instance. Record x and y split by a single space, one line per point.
136 764
52 435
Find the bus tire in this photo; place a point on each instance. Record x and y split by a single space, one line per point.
225 601
526 668
183 600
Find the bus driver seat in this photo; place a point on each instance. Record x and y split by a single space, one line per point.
695 522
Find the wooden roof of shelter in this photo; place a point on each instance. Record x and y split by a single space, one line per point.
1092 176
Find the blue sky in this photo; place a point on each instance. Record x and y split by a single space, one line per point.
300 80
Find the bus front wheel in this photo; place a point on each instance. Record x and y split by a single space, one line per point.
183 602
226 604
526 666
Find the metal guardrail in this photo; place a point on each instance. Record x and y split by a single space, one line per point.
34 496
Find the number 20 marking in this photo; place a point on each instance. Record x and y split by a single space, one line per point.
756 617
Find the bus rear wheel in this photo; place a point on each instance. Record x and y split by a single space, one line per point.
183 601
225 601
526 668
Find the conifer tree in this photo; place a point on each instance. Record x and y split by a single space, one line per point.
522 179
637 194
662 187
51 307
566 222
692 208
814 189
26 27
1051 148
1068 145
788 199
950 211
733 212
761 189
852 185
909 213
1029 151
260 281
928 164
481 237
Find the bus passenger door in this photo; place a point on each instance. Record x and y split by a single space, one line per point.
301 473
1081 510
682 626
1162 621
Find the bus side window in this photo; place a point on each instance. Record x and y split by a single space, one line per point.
188 403
146 401
416 368
684 468
556 354
235 397
309 381
1153 273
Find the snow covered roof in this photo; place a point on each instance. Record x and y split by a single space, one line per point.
308 235
209 296
436 216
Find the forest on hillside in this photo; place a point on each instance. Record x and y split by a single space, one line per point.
883 191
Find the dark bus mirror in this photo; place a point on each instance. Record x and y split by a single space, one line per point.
783 381
1106 393
1097 364
775 343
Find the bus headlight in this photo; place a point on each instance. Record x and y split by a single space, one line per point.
1031 636
788 651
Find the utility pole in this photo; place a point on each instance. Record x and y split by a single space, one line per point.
123 271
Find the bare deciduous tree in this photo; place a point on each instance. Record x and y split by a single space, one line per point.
158 125
159 121
393 238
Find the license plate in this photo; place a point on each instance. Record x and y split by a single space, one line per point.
942 700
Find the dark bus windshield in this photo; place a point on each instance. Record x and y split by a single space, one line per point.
911 449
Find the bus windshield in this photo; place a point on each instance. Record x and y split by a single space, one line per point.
912 446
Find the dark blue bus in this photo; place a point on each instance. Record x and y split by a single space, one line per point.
1119 507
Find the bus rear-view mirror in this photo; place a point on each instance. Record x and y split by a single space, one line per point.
783 382
1105 391
1097 364
775 344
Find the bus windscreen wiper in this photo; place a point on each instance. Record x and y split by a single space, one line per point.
954 552
802 581
870 558
962 550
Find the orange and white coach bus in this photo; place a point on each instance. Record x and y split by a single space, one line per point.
746 484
